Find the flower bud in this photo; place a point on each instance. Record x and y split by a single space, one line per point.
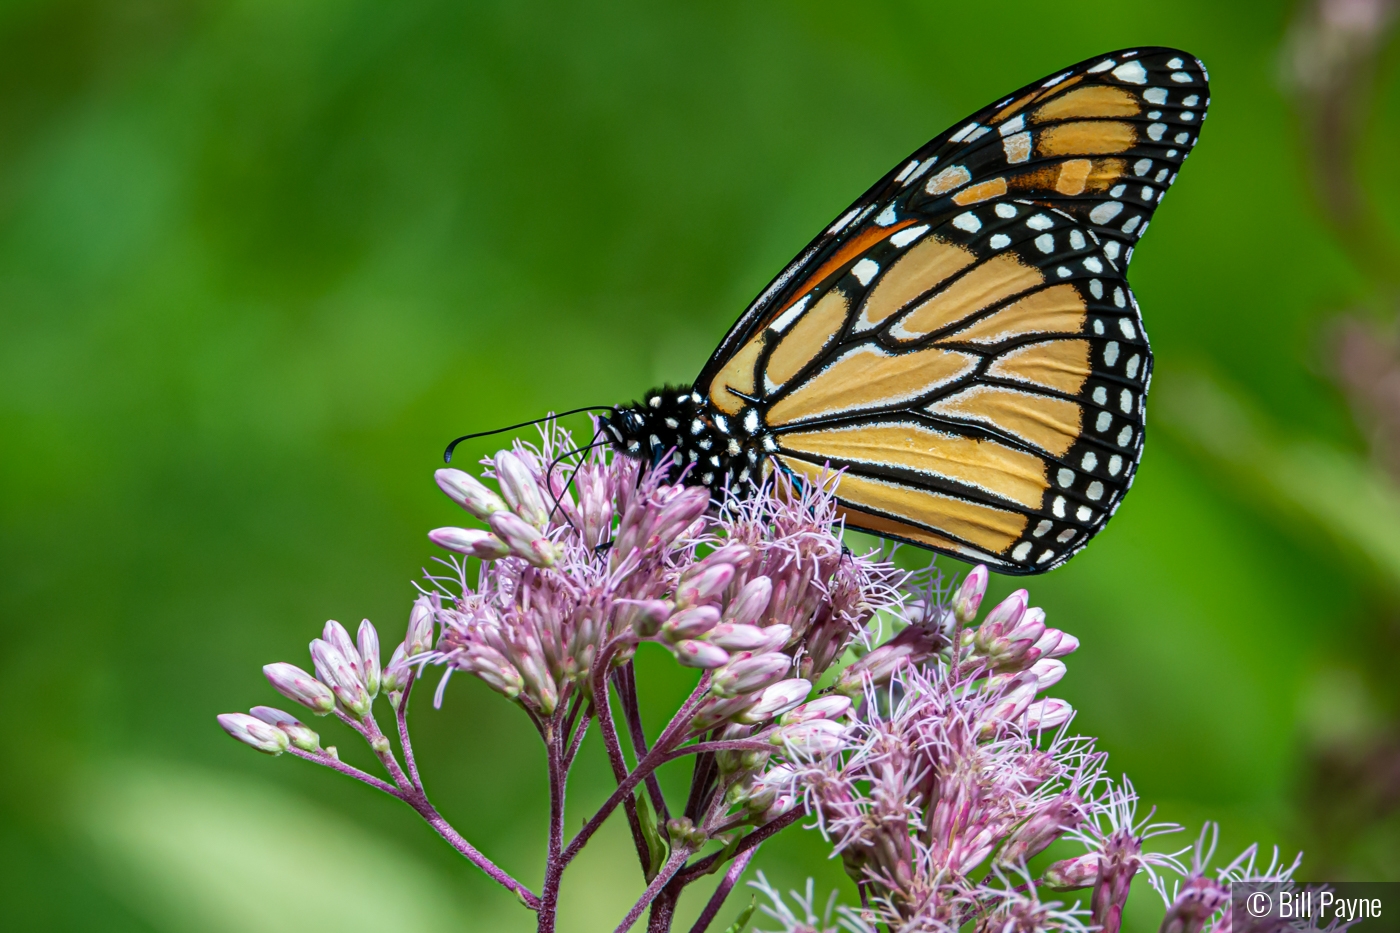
678 514
1048 642
735 637
1005 615
912 646
748 607
968 599
419 637
472 542
1031 626
524 539
522 493
1057 817
1014 701
690 623
1048 714
730 761
705 585
700 654
335 672
777 699
367 641
750 674
729 554
395 677
644 617
300 735
339 639
1067 644
300 687
468 492
255 732
1047 673
715 710
1071 874
815 738
832 706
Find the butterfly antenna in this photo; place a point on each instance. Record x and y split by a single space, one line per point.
447 454
549 474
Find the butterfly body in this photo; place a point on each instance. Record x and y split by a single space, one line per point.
962 342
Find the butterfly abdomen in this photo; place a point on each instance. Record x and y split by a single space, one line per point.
706 447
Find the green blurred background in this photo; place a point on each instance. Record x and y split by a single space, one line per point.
260 260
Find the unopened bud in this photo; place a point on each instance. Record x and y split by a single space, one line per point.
705 585
748 607
335 672
1048 714
678 514
255 732
395 677
735 637
644 617
524 539
522 493
968 599
815 738
302 736
419 637
1005 615
690 623
1047 673
715 710
297 685
472 542
339 639
1066 644
1057 817
778 699
1071 874
1014 701
729 761
912 646
832 706
750 674
700 654
468 492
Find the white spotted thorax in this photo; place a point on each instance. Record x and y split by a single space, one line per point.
962 344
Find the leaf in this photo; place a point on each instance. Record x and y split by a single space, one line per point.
658 847
742 920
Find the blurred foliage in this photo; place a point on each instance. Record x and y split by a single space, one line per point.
259 261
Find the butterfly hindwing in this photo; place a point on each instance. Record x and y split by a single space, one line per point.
962 341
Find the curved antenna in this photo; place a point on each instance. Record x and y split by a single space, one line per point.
447 454
549 473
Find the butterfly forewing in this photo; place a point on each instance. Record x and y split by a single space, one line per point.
962 342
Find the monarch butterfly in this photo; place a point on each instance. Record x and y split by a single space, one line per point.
961 343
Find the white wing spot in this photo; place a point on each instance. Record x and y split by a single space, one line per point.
1057 508
1125 436
1176 64
1131 224
924 166
1045 242
1064 536
1103 213
1098 326
1089 462
1083 513
1183 138
1187 116
1125 402
1191 101
1126 326
1132 367
1117 191
1093 265
1155 131
1096 288
785 319
1162 176
1110 352
1063 271
954 176
1040 222
958 136
1100 395
1044 525
1017 148
1131 73
904 172
1005 211
1118 299
843 220
1115 463
1102 66
1021 551
967 221
1095 490
1065 477
908 235
1110 249
1181 77
1104 422
1076 239
999 241
1044 556
1155 95
1142 167
1015 125
865 271
886 216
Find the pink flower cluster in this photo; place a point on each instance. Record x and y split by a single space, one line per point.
758 591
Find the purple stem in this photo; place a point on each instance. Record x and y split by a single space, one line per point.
726 885
419 802
672 866
401 715
579 733
627 692
554 865
602 705
752 840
